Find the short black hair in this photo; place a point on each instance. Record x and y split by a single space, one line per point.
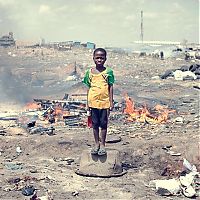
100 49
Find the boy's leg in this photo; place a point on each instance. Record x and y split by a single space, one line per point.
95 125
96 136
102 149
103 125
103 137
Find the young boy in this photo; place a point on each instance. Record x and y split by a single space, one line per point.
99 80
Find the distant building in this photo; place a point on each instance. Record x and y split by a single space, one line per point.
77 44
68 45
90 45
157 42
7 40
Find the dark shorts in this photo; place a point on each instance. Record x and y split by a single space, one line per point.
99 118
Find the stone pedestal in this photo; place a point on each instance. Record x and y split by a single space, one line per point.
100 166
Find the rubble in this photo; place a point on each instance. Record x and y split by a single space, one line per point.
186 183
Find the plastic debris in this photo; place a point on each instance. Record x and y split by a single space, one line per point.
166 187
189 191
28 190
179 120
75 193
18 149
14 166
179 75
188 166
186 184
187 180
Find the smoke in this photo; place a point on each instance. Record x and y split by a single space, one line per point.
12 87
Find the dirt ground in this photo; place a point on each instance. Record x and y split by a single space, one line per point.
43 161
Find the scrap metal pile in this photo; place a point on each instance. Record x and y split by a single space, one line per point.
42 115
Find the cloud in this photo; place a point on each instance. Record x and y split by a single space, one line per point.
176 10
130 17
151 15
43 9
128 20
98 9
62 8
7 2
72 27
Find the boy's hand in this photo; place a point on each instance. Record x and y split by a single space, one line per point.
111 107
87 107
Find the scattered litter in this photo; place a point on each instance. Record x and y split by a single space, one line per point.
155 78
18 149
172 153
179 120
28 190
166 187
188 166
179 75
69 161
189 191
14 180
169 151
2 132
75 193
14 166
183 73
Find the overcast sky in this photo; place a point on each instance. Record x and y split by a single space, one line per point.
105 22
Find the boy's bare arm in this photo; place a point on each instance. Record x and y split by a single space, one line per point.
110 88
87 107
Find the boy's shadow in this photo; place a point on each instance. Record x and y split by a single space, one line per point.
102 158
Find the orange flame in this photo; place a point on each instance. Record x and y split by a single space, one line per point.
143 114
32 106
59 112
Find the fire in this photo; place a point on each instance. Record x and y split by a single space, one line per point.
159 115
32 106
59 112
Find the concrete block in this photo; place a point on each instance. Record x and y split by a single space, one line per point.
100 166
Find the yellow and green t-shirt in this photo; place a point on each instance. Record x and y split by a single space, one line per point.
98 95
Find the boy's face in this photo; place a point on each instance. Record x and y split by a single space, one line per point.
99 58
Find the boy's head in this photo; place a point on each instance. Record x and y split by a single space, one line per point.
99 56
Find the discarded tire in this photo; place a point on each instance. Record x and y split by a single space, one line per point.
167 74
184 68
193 68
197 71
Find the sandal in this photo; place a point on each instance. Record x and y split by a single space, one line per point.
95 150
102 151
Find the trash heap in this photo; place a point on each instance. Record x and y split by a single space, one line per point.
187 184
42 115
185 72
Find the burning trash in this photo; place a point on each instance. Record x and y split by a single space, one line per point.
32 106
159 114
39 116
